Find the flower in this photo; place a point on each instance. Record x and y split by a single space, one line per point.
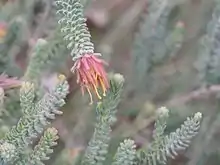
3 29
9 82
91 74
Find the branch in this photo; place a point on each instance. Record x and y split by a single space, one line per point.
195 95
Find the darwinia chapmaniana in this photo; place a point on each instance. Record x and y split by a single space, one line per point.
89 68
91 74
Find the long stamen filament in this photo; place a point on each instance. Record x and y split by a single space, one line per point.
91 75
103 86
90 95
96 91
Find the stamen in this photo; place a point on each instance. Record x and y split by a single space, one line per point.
89 77
96 91
90 95
96 79
93 75
103 86
77 77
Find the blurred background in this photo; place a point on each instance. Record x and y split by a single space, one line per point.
161 59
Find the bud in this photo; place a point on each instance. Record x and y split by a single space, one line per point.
180 24
38 44
198 115
41 42
52 132
129 142
118 78
7 151
163 111
27 86
61 77
27 90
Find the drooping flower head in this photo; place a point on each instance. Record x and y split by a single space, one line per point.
88 67
91 75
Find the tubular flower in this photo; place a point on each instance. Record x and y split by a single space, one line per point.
91 75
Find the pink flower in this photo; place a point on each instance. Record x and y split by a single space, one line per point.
91 75
8 83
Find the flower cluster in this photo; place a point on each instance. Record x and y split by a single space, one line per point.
88 67
91 75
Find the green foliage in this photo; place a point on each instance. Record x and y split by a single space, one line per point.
164 146
36 116
181 138
105 118
17 16
155 41
22 8
14 36
74 28
27 95
8 152
11 108
209 59
125 153
9 101
175 39
153 44
44 56
43 148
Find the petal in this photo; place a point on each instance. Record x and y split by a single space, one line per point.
78 64
84 78
96 59
85 63
94 66
75 66
88 76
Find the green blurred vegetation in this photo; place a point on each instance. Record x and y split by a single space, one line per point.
160 69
